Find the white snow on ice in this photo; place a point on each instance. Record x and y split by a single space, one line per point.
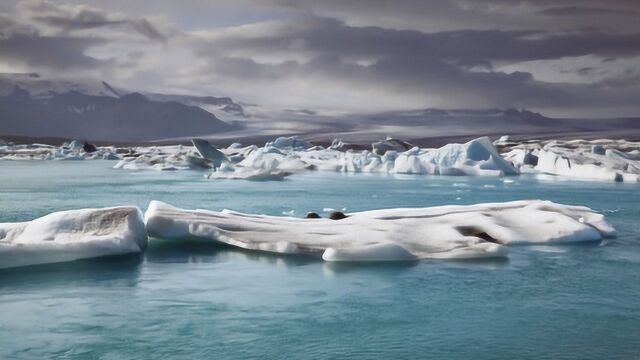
443 232
72 235
607 160
602 160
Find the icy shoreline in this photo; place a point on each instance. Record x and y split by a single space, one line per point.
600 160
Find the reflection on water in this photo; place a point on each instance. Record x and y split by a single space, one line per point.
186 251
124 269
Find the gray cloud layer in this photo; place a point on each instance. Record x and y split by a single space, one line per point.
353 55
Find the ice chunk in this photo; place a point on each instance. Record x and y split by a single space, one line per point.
76 150
377 252
340 145
209 152
601 159
476 157
241 173
390 144
72 235
289 142
583 165
444 232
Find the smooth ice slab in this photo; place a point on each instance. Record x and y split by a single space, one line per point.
444 232
72 235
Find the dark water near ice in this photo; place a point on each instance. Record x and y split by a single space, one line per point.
202 301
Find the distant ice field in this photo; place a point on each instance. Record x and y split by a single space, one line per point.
202 300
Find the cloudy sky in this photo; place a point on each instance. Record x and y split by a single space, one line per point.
561 57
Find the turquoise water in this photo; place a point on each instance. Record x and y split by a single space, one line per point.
203 301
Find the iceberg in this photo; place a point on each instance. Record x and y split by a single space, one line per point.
209 153
242 173
604 160
476 157
292 142
290 155
76 150
581 165
72 235
390 144
443 232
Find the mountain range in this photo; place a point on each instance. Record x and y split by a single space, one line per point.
39 107
36 107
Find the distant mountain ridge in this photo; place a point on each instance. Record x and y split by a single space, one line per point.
43 108
209 103
33 106
42 87
131 117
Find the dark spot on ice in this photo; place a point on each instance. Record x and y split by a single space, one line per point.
472 231
337 215
312 215
89 148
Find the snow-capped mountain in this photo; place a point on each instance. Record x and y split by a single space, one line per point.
34 106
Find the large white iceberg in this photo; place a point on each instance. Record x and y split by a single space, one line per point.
72 235
443 232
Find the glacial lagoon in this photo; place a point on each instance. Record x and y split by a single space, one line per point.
198 300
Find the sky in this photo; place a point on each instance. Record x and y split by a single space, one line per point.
559 57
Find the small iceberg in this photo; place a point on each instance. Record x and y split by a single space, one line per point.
209 152
72 235
251 174
443 232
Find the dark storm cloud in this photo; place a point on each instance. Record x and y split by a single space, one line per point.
24 44
330 36
79 17
456 50
144 27
434 15
51 52
585 11
605 4
68 18
458 63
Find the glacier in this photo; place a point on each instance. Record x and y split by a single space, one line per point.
72 235
442 232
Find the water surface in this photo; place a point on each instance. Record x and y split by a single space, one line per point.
203 301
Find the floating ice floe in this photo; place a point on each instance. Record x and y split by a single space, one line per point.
477 157
72 235
227 171
75 150
443 232
608 160
289 155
